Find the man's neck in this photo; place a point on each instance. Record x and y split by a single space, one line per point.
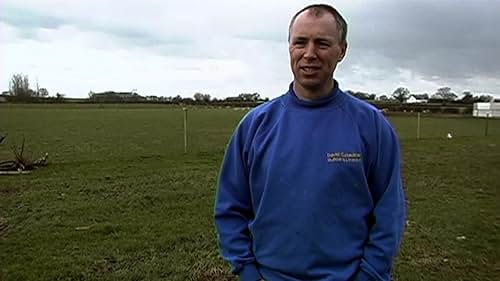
312 94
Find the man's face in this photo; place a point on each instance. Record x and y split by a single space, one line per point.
315 49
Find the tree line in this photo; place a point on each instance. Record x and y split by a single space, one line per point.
20 91
442 95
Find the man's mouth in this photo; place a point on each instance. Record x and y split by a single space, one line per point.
309 69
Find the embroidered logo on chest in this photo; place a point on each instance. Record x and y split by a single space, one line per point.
343 156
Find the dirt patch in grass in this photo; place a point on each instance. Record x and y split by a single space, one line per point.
209 271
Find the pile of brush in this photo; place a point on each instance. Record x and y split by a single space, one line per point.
20 164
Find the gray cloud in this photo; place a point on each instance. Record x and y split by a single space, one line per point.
446 39
28 19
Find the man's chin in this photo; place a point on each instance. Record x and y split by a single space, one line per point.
310 85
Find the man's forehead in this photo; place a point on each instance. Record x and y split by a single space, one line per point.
302 31
310 24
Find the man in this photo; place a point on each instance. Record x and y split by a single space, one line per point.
310 187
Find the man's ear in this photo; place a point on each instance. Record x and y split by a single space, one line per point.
344 51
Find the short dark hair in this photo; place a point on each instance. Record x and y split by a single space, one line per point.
318 10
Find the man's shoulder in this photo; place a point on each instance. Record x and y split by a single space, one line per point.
260 117
365 114
359 105
363 111
262 110
269 106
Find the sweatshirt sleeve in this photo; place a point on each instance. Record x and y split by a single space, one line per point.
233 210
389 212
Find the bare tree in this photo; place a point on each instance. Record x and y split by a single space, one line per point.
19 86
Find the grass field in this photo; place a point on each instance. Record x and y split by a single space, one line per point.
121 201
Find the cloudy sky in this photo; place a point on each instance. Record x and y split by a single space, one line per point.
226 47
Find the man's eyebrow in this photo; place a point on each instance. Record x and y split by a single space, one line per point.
300 37
324 39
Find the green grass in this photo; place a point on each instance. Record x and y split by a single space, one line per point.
121 201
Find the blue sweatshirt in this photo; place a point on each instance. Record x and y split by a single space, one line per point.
311 190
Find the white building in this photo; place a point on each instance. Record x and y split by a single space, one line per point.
416 99
486 109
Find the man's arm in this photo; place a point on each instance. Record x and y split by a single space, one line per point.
233 211
389 212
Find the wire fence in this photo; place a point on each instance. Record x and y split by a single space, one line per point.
430 126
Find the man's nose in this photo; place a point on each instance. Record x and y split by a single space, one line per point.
310 51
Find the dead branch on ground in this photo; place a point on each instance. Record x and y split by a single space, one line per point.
20 162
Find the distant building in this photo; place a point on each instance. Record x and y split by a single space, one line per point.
112 96
3 96
417 99
486 109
